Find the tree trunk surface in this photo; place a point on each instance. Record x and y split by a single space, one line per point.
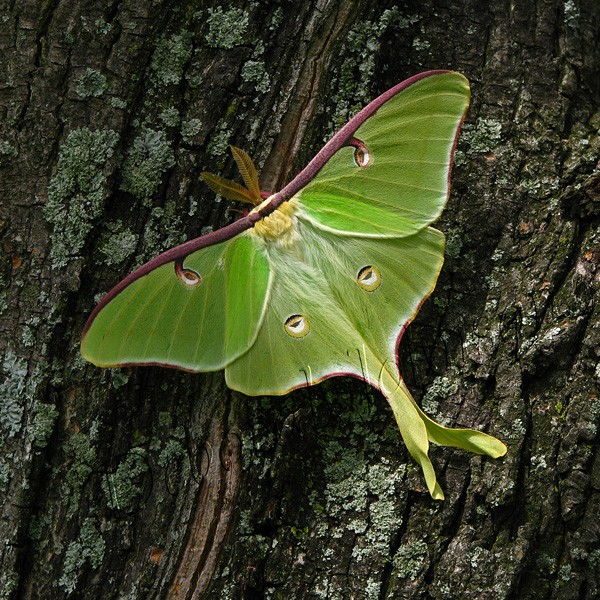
153 483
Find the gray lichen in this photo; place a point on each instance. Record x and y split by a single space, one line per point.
164 229
440 389
190 128
42 425
420 44
9 583
148 158
122 487
89 547
356 73
170 116
254 71
5 472
91 84
77 192
220 140
170 57
226 29
481 137
82 459
119 103
118 245
7 152
410 559
13 393
118 377
571 14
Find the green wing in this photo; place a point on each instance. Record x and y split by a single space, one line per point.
404 183
198 314
352 329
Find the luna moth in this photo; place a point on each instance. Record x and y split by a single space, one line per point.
318 279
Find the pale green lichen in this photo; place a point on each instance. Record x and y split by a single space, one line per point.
170 57
477 556
373 589
440 389
77 192
9 583
454 242
410 559
18 390
27 337
102 27
356 72
124 487
539 463
163 230
219 142
3 290
165 419
441 303
194 77
383 517
118 244
254 71
571 14
39 525
42 425
82 459
565 574
117 102
172 451
404 22
170 116
148 158
361 497
542 188
118 377
14 391
593 559
5 471
7 152
226 29
89 547
276 19
190 128
193 206
484 136
347 488
420 44
91 84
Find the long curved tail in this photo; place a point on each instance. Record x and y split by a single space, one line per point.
417 430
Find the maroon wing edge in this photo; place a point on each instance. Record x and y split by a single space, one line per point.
339 140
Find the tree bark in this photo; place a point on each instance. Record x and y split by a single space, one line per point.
151 483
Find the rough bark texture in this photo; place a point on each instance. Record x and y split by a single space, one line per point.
148 483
